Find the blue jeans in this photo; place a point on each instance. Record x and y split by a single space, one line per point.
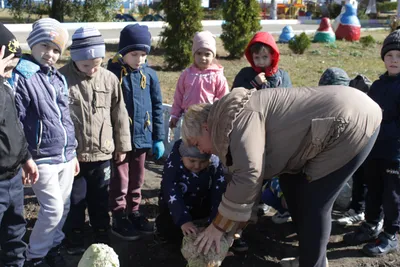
12 222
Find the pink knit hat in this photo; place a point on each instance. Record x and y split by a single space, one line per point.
204 39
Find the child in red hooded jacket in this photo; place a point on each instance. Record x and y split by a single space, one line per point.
263 56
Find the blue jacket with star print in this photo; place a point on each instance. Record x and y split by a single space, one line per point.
182 190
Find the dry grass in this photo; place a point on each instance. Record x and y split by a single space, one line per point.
304 70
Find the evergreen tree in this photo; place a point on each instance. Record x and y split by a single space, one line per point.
241 23
184 20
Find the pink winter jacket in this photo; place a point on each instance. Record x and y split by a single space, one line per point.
199 86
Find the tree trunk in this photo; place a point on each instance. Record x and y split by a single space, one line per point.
274 8
57 10
371 8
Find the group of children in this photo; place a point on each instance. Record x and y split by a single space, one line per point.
81 135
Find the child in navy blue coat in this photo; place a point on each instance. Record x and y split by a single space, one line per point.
191 190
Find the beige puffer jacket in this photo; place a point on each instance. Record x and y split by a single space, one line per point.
261 134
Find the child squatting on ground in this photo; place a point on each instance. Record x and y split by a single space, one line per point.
355 213
191 190
14 155
42 105
143 101
203 81
101 127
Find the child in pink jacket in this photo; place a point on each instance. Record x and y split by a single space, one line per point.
203 81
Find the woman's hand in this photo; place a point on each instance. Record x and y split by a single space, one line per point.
189 228
207 238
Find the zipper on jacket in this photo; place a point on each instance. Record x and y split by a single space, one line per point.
64 158
39 132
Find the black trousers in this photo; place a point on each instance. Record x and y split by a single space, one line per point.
166 227
383 197
90 189
310 205
359 190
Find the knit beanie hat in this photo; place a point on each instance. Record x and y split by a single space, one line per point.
87 43
392 42
10 42
204 39
48 30
192 152
134 37
334 76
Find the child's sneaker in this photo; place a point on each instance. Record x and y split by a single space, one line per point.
363 234
263 209
386 243
36 263
74 242
54 257
239 245
141 223
280 218
123 228
351 217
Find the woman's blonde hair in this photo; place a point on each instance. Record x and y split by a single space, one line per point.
193 120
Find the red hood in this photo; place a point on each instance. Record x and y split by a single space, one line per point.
268 39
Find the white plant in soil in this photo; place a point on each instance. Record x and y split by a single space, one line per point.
212 259
99 255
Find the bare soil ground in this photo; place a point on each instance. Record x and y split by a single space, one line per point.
268 242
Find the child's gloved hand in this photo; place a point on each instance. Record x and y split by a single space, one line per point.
158 149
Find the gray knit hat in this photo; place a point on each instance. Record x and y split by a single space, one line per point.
192 152
392 42
48 30
87 43
334 76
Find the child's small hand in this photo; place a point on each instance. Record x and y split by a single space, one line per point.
30 173
172 122
260 78
189 228
119 157
77 167
4 61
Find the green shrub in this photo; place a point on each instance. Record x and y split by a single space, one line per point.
143 10
299 43
184 20
367 41
241 23
386 6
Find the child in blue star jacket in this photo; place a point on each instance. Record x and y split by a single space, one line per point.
191 189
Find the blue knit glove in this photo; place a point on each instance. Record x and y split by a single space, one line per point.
158 149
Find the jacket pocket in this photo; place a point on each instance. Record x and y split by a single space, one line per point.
39 136
106 138
101 98
320 135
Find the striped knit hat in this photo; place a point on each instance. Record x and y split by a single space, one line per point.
87 43
48 30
